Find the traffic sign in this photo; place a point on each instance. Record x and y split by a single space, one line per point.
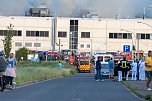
126 48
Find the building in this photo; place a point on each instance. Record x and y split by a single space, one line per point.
81 34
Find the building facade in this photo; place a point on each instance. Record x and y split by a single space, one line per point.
81 34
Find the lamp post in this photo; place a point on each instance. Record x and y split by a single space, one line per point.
143 24
144 13
36 44
59 50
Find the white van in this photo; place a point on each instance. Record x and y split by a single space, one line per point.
104 62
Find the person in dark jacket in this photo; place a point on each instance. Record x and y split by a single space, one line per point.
3 63
98 75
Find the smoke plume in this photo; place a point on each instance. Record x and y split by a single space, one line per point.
104 8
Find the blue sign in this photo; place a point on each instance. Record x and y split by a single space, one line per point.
126 48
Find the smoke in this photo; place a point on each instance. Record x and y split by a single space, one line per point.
105 8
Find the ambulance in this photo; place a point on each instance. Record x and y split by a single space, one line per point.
104 62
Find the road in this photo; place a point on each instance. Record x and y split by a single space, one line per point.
81 87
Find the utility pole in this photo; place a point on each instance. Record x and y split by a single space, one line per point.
138 46
59 49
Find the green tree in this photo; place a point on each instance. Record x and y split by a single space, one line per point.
133 47
8 34
22 52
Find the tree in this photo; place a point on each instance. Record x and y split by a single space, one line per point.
8 40
133 47
22 52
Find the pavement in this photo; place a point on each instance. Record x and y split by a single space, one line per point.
80 87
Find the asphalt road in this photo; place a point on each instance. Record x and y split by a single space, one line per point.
81 87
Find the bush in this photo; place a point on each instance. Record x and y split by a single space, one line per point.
22 52
147 97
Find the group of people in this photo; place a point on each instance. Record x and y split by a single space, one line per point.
7 69
122 70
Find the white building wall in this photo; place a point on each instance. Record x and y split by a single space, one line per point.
99 29
28 24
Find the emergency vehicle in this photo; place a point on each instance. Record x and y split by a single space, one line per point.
52 55
104 58
83 63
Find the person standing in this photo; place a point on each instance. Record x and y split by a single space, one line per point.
116 72
148 69
119 71
59 65
98 75
111 68
134 70
11 70
142 70
124 67
128 70
3 63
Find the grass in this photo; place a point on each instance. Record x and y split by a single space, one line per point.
136 92
33 71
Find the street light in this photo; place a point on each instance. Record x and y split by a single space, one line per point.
144 13
144 24
59 50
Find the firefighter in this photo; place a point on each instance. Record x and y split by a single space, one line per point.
124 67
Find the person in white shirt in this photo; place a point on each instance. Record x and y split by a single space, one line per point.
142 70
134 70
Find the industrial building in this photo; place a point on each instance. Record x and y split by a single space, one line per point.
91 34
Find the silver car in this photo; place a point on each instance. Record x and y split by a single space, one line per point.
105 69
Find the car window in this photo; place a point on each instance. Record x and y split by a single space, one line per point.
104 66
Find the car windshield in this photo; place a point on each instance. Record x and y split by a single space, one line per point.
104 66
107 58
118 57
84 62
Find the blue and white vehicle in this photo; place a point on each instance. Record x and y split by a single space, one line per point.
104 62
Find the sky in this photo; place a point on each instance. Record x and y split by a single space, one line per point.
104 8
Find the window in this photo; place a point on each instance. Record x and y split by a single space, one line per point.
1 33
42 33
32 33
82 45
71 22
18 44
147 36
62 34
124 35
27 44
142 36
88 45
37 44
15 32
110 35
28 33
19 33
37 33
115 35
85 34
73 39
120 35
129 35
46 34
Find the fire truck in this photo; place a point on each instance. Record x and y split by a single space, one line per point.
83 63
52 55
68 56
